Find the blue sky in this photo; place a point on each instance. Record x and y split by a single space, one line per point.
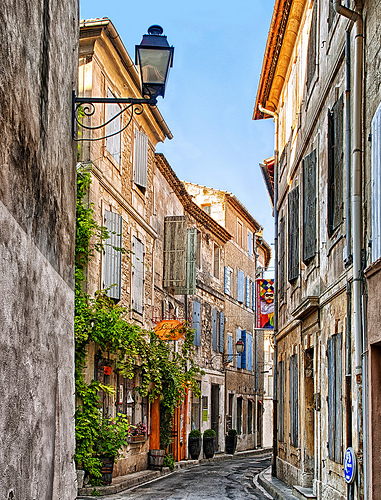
211 90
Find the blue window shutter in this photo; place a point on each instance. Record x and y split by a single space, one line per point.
140 158
376 184
239 358
243 355
112 268
247 288
215 330
249 352
253 296
230 348
240 286
250 243
227 280
222 332
113 143
197 322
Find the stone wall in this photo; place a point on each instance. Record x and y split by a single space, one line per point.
38 60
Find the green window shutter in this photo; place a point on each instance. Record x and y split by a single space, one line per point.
221 332
335 165
191 261
215 326
175 252
140 158
112 266
282 259
293 234
137 275
309 206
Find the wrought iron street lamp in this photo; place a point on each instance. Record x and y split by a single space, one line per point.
239 347
154 57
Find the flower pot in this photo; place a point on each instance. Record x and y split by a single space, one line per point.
107 468
80 478
230 444
139 438
156 459
208 446
194 447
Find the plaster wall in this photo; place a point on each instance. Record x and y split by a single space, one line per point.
37 213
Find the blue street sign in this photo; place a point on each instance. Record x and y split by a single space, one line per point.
349 465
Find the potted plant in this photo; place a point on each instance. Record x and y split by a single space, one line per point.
138 432
208 443
111 436
194 443
231 441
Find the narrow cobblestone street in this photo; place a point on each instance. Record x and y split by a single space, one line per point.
231 479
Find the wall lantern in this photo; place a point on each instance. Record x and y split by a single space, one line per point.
154 57
226 358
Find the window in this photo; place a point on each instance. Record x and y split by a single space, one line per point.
309 206
335 408
207 207
240 286
112 266
216 261
281 383
335 166
197 323
249 417
113 143
294 400
293 234
376 184
312 48
239 232
228 278
250 243
239 415
140 159
137 275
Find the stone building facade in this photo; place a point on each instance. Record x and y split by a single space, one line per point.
320 83
38 59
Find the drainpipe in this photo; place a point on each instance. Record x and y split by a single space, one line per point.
275 393
357 223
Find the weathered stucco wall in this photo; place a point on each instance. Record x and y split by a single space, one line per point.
38 58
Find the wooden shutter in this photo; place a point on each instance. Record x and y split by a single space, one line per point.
221 332
335 165
338 403
281 402
227 284
112 267
253 290
137 275
294 399
331 397
216 261
113 143
312 48
240 286
331 14
238 336
175 239
293 234
197 323
282 259
191 253
376 184
230 348
215 326
247 291
243 355
140 158
250 243
309 206
249 351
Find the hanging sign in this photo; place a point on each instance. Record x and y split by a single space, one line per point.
169 329
350 465
265 304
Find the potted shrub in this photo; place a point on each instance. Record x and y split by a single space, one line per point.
111 436
231 441
194 444
208 443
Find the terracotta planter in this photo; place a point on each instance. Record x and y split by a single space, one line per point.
230 444
107 468
208 446
194 447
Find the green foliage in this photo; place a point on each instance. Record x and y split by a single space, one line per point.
163 373
210 433
232 432
195 433
169 461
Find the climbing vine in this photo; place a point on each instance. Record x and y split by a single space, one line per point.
164 373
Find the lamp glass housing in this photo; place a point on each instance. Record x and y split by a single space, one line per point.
240 346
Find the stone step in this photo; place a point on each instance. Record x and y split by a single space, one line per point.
303 493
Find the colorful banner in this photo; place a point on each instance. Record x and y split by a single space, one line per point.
265 304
